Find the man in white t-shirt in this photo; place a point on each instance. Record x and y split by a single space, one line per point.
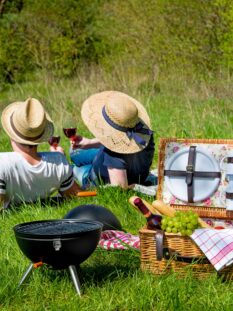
25 174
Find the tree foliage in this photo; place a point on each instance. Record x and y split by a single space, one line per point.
58 36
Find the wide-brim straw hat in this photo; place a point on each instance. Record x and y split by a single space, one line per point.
109 114
27 122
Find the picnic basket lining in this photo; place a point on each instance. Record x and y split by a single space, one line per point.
202 211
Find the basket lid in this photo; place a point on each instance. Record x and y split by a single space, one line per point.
203 188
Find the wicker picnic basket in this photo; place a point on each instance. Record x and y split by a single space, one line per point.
164 252
179 253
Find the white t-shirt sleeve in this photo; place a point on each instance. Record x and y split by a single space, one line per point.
2 187
66 184
67 179
2 183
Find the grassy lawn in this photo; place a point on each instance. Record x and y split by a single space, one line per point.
178 107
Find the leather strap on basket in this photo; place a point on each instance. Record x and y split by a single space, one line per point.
159 236
190 173
229 195
167 253
230 160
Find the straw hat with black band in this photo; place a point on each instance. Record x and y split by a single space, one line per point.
27 122
119 121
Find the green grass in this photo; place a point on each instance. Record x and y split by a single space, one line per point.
111 280
178 106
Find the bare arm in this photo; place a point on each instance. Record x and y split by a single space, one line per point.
57 149
86 143
118 178
2 201
72 191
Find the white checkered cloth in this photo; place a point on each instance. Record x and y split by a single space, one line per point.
217 245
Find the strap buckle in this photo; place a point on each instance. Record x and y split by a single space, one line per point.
190 168
189 175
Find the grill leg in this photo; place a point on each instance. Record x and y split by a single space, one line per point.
75 279
26 273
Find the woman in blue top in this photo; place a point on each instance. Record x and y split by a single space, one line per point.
122 151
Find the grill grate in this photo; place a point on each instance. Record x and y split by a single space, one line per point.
53 228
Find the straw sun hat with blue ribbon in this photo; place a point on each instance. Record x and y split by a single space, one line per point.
119 121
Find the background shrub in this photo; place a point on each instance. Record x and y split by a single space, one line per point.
59 36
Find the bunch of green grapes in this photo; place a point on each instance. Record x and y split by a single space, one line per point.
182 222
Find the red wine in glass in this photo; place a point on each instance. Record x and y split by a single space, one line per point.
54 141
70 132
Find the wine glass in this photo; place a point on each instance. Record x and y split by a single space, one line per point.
70 132
54 141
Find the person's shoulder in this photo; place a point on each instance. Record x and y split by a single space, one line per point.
54 157
151 143
9 157
9 161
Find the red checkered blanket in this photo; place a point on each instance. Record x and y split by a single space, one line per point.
217 245
113 239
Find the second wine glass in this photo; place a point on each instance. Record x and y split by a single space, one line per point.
70 132
54 141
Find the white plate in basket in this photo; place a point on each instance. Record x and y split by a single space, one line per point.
203 187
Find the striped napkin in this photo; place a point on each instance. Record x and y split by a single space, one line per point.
217 245
113 239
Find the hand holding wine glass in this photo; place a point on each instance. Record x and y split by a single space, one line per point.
54 141
85 143
70 132
54 144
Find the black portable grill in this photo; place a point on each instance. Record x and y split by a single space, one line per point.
60 244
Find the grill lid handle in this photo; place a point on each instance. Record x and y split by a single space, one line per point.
57 244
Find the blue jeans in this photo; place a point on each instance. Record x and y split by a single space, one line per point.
82 166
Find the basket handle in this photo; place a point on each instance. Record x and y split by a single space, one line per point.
168 253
